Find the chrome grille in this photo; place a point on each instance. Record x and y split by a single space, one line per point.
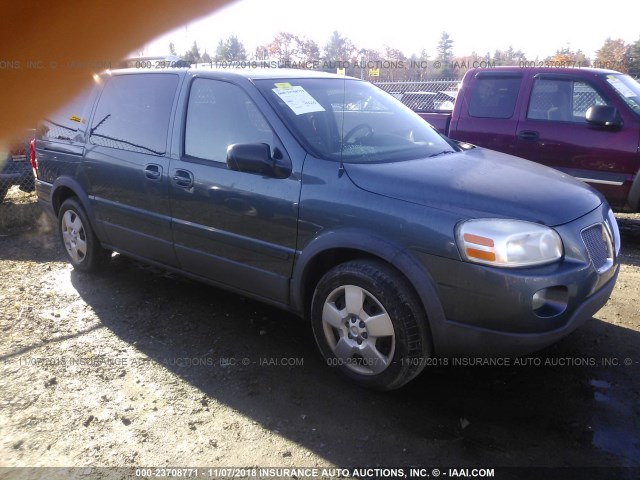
598 244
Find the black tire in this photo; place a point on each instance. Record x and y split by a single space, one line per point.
366 354
78 238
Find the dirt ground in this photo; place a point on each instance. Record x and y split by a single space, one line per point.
137 367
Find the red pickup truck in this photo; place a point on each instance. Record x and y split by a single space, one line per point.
583 121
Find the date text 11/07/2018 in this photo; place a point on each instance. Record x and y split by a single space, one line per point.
312 472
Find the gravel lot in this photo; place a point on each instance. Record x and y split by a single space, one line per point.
138 367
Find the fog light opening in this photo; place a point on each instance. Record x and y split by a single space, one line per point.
550 302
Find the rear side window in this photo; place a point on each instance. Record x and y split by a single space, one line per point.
494 97
221 114
63 125
562 100
133 113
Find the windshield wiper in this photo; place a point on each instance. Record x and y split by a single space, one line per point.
444 152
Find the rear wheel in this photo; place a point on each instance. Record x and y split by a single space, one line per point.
369 324
79 240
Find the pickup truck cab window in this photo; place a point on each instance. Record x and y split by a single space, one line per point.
562 100
220 114
494 97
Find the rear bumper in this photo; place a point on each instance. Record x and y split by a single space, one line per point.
43 191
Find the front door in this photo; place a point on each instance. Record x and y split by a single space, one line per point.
553 131
234 228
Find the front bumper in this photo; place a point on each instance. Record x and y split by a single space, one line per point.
492 311
457 339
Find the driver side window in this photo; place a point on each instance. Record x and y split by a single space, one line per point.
220 114
562 100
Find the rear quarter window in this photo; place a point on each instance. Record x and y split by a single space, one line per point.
133 113
64 124
494 97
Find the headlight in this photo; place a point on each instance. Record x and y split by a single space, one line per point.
508 243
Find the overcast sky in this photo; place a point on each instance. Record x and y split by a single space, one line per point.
538 28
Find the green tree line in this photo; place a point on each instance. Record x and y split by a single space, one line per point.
391 64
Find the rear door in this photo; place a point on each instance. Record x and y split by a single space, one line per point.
553 131
127 164
231 227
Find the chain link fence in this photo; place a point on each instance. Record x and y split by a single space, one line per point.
16 173
18 206
424 96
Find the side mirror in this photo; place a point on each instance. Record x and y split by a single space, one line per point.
255 158
604 116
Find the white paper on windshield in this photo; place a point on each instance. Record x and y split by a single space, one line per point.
298 99
620 87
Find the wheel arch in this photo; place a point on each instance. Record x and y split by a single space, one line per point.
334 248
66 187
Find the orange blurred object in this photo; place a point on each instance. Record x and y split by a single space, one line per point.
48 49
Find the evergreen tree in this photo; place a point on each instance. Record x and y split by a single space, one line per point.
445 55
230 50
193 54
338 49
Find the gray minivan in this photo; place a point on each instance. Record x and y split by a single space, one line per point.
327 197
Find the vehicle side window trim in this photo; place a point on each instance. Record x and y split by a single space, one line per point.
485 74
203 161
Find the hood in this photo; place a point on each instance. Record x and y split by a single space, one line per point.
481 183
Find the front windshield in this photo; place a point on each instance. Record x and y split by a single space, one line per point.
351 121
627 88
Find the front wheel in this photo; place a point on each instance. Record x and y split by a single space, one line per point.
79 240
369 324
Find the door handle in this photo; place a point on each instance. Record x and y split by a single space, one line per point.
153 172
529 135
183 178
